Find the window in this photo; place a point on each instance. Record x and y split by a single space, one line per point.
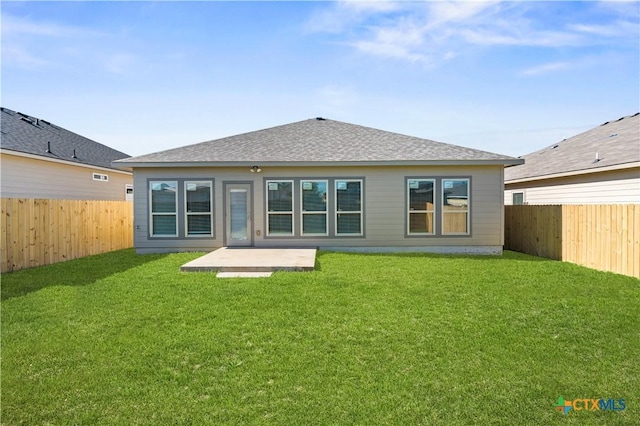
164 199
518 198
128 192
455 206
100 177
421 208
314 207
199 216
348 207
279 207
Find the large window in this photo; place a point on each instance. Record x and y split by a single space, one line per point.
279 207
455 206
348 207
421 206
199 212
164 199
314 207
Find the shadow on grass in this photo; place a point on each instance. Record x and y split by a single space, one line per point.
77 272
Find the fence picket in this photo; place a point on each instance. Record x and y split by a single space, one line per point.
40 232
605 237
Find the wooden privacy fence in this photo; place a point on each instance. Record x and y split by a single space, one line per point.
605 237
40 232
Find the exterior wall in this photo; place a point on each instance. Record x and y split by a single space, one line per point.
612 187
384 208
23 177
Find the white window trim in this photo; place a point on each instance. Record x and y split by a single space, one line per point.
127 196
101 177
361 211
291 213
187 213
409 211
152 214
517 192
467 211
303 212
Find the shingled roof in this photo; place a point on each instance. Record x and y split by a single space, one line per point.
317 141
614 143
30 135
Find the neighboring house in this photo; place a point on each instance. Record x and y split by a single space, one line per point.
319 183
41 160
599 166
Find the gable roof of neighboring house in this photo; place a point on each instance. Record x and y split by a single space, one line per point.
318 141
22 133
612 145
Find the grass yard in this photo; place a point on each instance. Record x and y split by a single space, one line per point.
364 339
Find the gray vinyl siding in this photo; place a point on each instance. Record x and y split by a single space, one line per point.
23 177
384 206
612 187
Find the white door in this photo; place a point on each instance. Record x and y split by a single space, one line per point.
238 214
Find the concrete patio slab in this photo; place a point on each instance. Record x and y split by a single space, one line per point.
228 259
243 274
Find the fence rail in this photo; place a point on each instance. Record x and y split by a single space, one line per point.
39 232
605 237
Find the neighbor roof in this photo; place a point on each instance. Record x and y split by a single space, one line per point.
318 141
615 143
30 135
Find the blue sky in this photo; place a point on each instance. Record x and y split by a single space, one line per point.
507 77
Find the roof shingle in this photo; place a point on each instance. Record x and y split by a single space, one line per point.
27 134
317 141
615 143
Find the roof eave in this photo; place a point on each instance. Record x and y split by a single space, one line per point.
614 167
60 161
129 165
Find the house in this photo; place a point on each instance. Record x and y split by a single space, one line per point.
42 160
599 166
319 183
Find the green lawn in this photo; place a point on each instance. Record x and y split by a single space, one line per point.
364 339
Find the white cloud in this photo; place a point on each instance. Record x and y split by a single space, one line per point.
546 68
39 44
403 41
434 32
441 13
18 26
520 38
391 50
21 57
619 28
370 6
344 14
